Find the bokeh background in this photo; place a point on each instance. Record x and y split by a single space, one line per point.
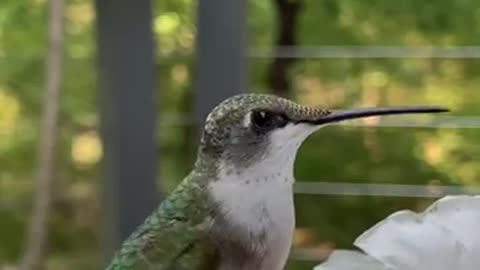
362 154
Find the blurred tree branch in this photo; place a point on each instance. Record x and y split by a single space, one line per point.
36 243
287 18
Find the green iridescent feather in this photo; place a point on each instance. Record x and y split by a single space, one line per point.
174 236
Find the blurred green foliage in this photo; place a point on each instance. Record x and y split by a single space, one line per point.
348 154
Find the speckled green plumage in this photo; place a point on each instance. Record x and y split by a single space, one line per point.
175 235
231 112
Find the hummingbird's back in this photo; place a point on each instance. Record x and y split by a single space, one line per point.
175 236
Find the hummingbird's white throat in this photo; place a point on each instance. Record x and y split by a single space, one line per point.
259 198
273 165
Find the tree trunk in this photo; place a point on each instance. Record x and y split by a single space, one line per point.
36 244
287 18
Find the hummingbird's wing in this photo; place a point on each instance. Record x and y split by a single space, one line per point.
173 237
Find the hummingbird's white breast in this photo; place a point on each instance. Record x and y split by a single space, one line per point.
259 198
265 212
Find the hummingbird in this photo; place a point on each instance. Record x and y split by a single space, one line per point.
235 209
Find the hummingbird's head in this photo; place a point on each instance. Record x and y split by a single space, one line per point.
258 128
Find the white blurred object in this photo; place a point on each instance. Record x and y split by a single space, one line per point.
446 236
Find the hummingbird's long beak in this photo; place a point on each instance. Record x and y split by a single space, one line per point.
338 116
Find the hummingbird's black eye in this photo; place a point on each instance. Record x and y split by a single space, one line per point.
262 120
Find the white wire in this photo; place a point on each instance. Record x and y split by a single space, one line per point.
385 190
464 52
